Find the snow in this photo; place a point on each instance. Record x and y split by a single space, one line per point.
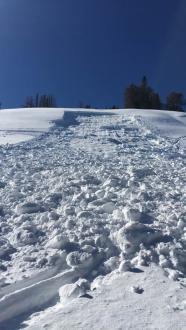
92 219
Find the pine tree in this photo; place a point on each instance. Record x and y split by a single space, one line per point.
141 97
51 101
37 100
155 102
175 102
29 102
44 101
131 97
144 82
80 104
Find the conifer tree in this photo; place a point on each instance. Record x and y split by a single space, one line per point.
141 97
175 102
43 102
37 100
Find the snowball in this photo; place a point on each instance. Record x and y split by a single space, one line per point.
87 241
109 207
58 242
79 259
178 257
89 248
128 249
117 214
132 214
28 225
137 233
125 266
27 208
23 237
41 262
29 258
84 214
164 262
101 241
111 264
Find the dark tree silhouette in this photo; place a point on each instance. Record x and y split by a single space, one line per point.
175 102
141 97
45 101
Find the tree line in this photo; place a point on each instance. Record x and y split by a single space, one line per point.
136 97
144 97
43 101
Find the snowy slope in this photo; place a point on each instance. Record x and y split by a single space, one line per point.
93 205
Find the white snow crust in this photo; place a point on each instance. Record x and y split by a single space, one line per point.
92 219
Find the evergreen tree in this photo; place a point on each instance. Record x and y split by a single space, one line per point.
175 102
51 101
80 104
131 97
44 101
141 97
37 100
144 82
29 102
155 102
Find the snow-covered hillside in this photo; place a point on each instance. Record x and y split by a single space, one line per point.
92 219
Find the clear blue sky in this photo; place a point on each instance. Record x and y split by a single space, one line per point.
90 50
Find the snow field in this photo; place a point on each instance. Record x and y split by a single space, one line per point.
83 201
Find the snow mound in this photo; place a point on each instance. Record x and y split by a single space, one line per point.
27 208
58 242
69 292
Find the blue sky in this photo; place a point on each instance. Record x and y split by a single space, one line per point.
90 50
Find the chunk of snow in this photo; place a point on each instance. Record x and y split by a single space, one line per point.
84 214
23 237
79 259
132 214
69 292
27 207
125 266
111 183
137 233
58 242
109 207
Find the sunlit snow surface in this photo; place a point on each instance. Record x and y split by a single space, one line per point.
92 219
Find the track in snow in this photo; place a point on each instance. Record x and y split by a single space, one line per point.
85 181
